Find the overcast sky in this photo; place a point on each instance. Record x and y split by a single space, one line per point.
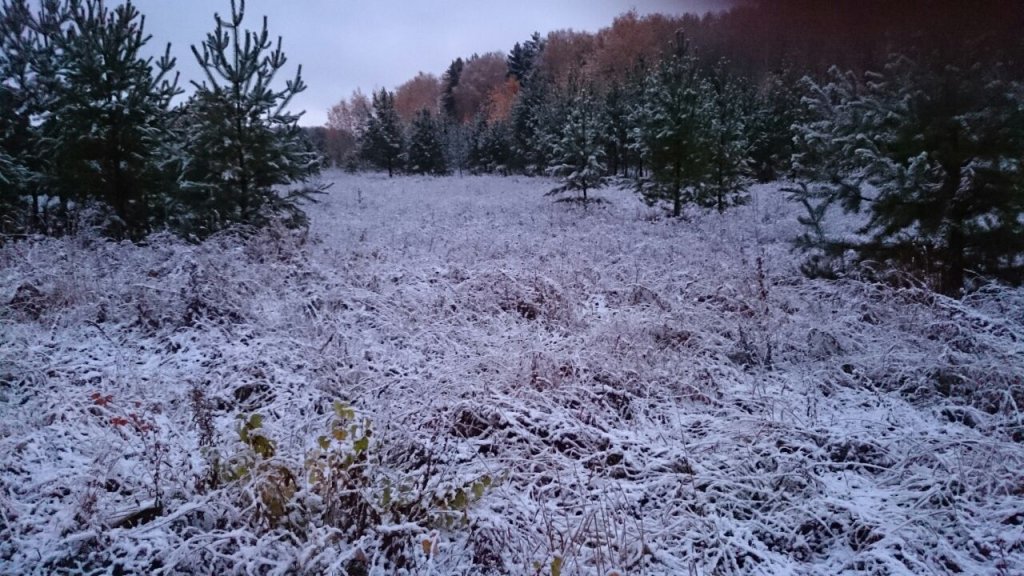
348 44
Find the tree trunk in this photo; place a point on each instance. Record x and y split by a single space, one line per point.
953 261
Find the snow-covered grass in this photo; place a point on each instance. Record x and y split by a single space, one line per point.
458 376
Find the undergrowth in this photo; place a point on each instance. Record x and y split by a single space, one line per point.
454 376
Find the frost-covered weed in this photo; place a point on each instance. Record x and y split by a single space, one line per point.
646 396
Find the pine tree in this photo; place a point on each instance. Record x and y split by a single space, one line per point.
728 144
455 143
242 143
770 130
489 146
579 151
449 82
617 106
382 142
523 57
672 128
932 150
19 139
109 122
426 152
528 122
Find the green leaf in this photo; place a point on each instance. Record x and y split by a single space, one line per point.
459 501
255 421
343 412
556 566
361 445
324 442
263 446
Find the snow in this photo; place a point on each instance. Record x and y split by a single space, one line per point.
643 396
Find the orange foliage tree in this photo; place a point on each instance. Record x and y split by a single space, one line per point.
421 93
480 76
345 122
629 41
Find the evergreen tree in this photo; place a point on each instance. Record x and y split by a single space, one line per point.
770 131
242 143
449 82
728 146
382 143
523 57
455 143
20 91
672 128
489 147
617 106
528 122
579 151
426 152
933 151
109 125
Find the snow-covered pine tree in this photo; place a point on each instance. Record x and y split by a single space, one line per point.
426 152
672 132
29 81
770 130
934 151
455 144
619 100
523 57
19 44
382 142
449 82
579 150
241 142
108 124
729 147
489 146
528 121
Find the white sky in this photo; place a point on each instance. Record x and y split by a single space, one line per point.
367 44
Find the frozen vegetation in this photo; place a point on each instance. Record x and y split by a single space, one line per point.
458 376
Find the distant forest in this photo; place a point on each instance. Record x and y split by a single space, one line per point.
909 113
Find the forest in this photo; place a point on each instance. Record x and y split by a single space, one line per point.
866 105
731 293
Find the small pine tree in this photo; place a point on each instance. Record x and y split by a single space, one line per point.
109 121
672 128
18 138
726 183
242 144
489 147
455 144
382 143
770 130
579 151
426 152
933 151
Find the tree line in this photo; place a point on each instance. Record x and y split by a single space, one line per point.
90 134
910 115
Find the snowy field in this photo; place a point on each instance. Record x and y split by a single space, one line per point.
458 376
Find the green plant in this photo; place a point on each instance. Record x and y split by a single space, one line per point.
270 483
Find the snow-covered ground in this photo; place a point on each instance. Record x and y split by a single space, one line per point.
458 376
